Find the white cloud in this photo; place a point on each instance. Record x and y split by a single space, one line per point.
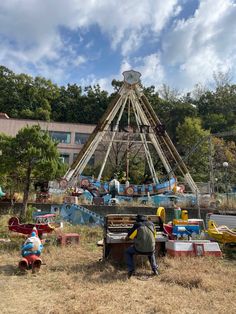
132 43
125 66
79 60
191 49
203 44
104 82
152 72
88 80
32 27
150 68
130 20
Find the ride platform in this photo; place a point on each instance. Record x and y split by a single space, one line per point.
193 248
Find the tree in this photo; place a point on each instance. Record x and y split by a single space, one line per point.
95 103
178 113
116 84
32 156
74 105
218 109
198 90
224 151
68 107
222 79
8 176
168 93
23 96
189 134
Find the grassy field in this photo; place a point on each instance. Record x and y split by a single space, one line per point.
75 280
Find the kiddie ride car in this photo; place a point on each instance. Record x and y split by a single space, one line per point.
181 226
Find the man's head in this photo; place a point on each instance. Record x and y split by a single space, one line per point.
141 218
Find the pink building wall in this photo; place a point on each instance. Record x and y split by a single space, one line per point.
11 127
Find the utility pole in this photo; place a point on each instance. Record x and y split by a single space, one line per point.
212 177
198 205
226 165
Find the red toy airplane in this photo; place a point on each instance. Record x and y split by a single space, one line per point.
14 225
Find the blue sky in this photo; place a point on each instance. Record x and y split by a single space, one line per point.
180 43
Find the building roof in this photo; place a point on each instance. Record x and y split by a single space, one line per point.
11 126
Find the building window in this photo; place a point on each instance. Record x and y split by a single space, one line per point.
65 158
81 138
61 137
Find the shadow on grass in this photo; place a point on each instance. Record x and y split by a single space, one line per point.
10 270
90 269
188 283
102 271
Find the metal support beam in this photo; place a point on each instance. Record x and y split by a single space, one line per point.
113 136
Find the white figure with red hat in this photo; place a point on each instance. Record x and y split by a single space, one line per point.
32 245
30 251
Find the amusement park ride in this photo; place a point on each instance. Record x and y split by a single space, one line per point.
141 130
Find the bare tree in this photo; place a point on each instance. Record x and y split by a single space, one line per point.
222 79
168 93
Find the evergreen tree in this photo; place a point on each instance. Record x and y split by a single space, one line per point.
31 156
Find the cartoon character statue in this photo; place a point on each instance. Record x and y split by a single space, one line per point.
31 251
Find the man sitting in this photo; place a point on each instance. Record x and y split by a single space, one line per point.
143 233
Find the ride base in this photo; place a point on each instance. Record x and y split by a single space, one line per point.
193 248
30 262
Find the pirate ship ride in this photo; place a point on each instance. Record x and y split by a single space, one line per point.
130 122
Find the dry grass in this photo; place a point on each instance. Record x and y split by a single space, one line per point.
74 280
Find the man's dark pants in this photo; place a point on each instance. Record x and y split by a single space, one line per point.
129 256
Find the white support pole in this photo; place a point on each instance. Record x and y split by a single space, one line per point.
71 173
112 138
153 139
188 178
145 145
96 141
165 162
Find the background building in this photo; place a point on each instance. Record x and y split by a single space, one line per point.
71 136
